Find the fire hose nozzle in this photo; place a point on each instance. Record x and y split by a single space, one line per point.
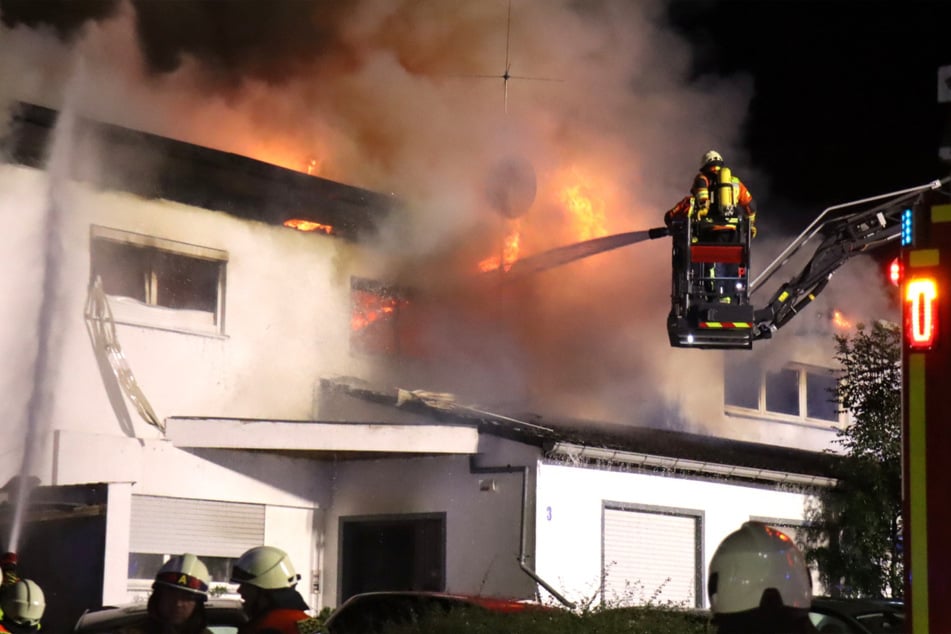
658 232
8 567
8 564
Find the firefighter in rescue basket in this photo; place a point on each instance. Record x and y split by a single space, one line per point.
717 203
711 230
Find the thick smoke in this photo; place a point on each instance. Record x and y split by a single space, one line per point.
411 98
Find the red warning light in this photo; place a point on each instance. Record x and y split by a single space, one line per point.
921 313
894 271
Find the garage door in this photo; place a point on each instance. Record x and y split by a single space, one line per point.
651 556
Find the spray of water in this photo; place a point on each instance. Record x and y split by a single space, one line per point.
41 392
569 253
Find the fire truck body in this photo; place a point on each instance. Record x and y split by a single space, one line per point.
926 414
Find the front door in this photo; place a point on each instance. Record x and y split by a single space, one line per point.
392 552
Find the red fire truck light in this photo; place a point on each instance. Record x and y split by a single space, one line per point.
894 272
921 313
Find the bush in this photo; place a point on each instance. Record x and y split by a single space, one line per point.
634 620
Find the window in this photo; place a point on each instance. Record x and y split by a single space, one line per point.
820 396
217 532
146 565
160 283
782 392
377 324
796 392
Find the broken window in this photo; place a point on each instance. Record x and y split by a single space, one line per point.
377 318
156 282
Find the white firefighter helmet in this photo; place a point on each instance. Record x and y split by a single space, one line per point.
23 603
711 157
266 567
184 572
754 559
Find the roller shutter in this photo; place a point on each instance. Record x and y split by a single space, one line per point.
175 525
651 557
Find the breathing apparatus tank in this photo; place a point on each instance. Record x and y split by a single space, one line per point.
725 198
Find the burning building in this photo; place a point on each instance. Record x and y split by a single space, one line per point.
201 357
280 357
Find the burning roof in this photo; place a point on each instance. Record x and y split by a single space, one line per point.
208 178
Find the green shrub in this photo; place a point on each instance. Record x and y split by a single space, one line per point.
634 620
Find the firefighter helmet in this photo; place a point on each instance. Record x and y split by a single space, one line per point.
23 603
184 572
711 157
266 567
752 560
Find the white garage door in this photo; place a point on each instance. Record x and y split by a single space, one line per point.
650 557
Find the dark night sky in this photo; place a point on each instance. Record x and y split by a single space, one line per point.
845 92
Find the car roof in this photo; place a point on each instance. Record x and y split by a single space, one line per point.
472 599
398 602
217 610
853 607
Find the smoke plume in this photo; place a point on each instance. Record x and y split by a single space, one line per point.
559 120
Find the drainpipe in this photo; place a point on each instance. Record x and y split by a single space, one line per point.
523 527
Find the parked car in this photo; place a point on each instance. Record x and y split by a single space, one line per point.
224 617
371 612
857 616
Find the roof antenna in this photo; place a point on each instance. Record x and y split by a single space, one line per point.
507 75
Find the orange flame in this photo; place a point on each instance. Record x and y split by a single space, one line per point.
308 225
839 320
587 211
288 154
370 307
510 250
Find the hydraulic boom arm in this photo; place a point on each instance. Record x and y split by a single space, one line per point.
844 234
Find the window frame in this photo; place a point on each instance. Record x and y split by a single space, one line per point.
803 371
149 313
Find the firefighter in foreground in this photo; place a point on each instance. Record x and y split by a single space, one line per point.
714 207
267 584
177 602
759 583
23 607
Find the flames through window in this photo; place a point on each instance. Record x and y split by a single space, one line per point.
377 317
